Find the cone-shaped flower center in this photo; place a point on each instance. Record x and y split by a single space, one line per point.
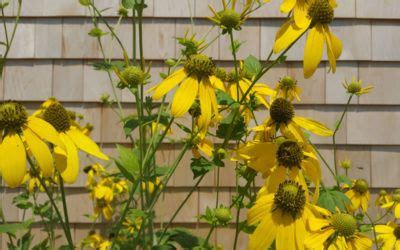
282 111
12 116
58 117
287 83
220 73
396 232
344 224
382 192
200 65
396 197
361 186
290 198
321 11
229 18
354 87
289 154
134 76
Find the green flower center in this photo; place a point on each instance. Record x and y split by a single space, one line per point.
382 192
396 232
397 191
220 73
13 115
134 76
199 65
223 214
290 198
287 83
321 11
229 19
361 186
282 111
58 117
354 87
396 197
289 154
344 224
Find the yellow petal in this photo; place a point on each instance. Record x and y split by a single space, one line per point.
261 156
286 35
313 50
313 126
12 160
285 234
40 152
206 146
217 83
169 83
317 240
261 209
86 144
276 178
383 229
45 131
397 211
205 104
334 48
301 14
264 234
71 172
60 159
184 96
292 131
287 5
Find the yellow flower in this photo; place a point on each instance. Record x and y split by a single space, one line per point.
195 80
382 198
67 161
24 136
203 145
337 231
93 171
390 236
103 192
355 87
287 88
282 116
299 9
320 15
95 241
228 19
281 217
345 164
132 225
394 204
280 159
151 185
359 195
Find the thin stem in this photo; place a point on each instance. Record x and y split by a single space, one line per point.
335 132
237 228
124 213
373 229
235 64
324 161
180 207
64 203
384 215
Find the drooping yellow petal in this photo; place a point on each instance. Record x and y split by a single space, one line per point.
60 159
397 211
261 156
264 234
205 104
40 152
292 131
184 96
313 50
287 5
44 130
286 35
285 238
276 178
70 174
169 83
217 83
317 240
261 209
86 144
313 126
317 224
301 14
12 160
206 146
334 48
383 229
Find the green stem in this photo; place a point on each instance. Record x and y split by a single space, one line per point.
180 207
64 203
124 213
335 132
373 229
235 64
325 162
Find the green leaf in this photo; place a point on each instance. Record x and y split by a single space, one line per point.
332 199
127 163
105 66
162 171
224 99
232 122
128 4
252 65
185 238
201 166
132 122
344 179
15 227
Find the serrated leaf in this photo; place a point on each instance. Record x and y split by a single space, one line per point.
201 166
223 98
185 238
127 163
332 199
15 227
128 4
252 65
344 179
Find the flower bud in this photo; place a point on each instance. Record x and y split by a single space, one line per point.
223 215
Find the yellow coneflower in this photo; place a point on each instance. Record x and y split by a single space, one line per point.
67 161
390 236
281 159
359 195
281 217
394 204
282 117
355 87
23 137
336 231
383 198
299 9
103 196
195 80
96 241
93 171
287 88
320 14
